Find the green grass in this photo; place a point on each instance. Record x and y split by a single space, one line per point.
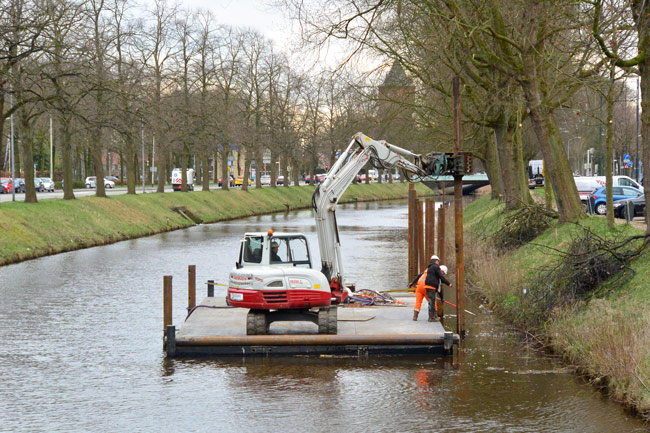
607 336
52 226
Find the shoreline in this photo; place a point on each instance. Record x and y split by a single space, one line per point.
33 230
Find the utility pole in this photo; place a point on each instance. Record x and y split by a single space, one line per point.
636 156
51 151
13 154
458 213
143 173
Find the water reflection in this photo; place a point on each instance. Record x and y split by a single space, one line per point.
82 331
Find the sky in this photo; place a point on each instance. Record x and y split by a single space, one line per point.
257 14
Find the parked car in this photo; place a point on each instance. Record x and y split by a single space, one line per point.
588 184
265 179
280 181
19 185
536 181
48 184
318 178
621 207
599 201
91 182
231 183
6 185
38 184
239 181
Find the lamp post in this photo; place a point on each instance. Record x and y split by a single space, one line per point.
568 147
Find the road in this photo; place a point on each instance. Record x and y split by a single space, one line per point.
82 192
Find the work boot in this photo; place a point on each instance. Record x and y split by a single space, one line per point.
432 316
415 315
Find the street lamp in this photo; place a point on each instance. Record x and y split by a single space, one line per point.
568 146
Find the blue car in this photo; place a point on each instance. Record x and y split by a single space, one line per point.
599 201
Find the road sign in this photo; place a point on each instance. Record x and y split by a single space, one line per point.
266 158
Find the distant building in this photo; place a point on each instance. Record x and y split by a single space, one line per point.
395 108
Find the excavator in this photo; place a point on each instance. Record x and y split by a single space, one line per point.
274 276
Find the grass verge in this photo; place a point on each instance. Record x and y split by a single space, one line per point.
54 226
605 335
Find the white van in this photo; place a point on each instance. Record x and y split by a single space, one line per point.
588 184
177 179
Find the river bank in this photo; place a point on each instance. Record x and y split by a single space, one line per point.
604 333
54 226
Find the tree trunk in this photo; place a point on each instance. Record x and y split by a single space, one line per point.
205 165
556 163
609 202
162 169
96 155
247 167
66 144
28 158
644 73
225 172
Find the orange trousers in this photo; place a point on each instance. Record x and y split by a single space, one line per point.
421 293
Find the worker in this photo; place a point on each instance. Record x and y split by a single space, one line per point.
428 283
274 252
433 281
420 293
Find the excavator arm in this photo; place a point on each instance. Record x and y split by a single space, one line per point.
360 150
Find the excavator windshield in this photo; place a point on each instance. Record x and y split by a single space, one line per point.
292 250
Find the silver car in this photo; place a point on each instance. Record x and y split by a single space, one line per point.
48 184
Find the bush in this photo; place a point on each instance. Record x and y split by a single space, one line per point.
522 226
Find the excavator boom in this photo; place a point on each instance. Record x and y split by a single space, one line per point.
360 150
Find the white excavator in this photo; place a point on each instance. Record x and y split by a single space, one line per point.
274 276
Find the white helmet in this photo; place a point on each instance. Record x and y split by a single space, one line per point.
434 257
443 269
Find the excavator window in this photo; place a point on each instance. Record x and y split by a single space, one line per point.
253 249
291 250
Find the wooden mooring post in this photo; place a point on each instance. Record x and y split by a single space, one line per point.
191 287
422 259
441 231
430 215
167 303
412 252
458 213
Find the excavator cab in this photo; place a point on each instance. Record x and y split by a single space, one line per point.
268 249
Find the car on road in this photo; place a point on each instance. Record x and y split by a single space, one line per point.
91 182
280 181
38 184
239 181
599 201
265 179
48 184
6 185
637 206
19 185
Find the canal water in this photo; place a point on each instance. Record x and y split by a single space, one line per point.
82 352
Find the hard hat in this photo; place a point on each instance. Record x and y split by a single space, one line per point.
275 245
443 269
434 257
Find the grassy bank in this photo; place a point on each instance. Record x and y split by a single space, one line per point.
604 333
53 226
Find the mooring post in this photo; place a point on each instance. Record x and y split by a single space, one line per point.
171 340
441 232
458 213
422 261
210 288
167 303
412 251
430 227
191 287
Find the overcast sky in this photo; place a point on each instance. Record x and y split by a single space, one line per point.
256 14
